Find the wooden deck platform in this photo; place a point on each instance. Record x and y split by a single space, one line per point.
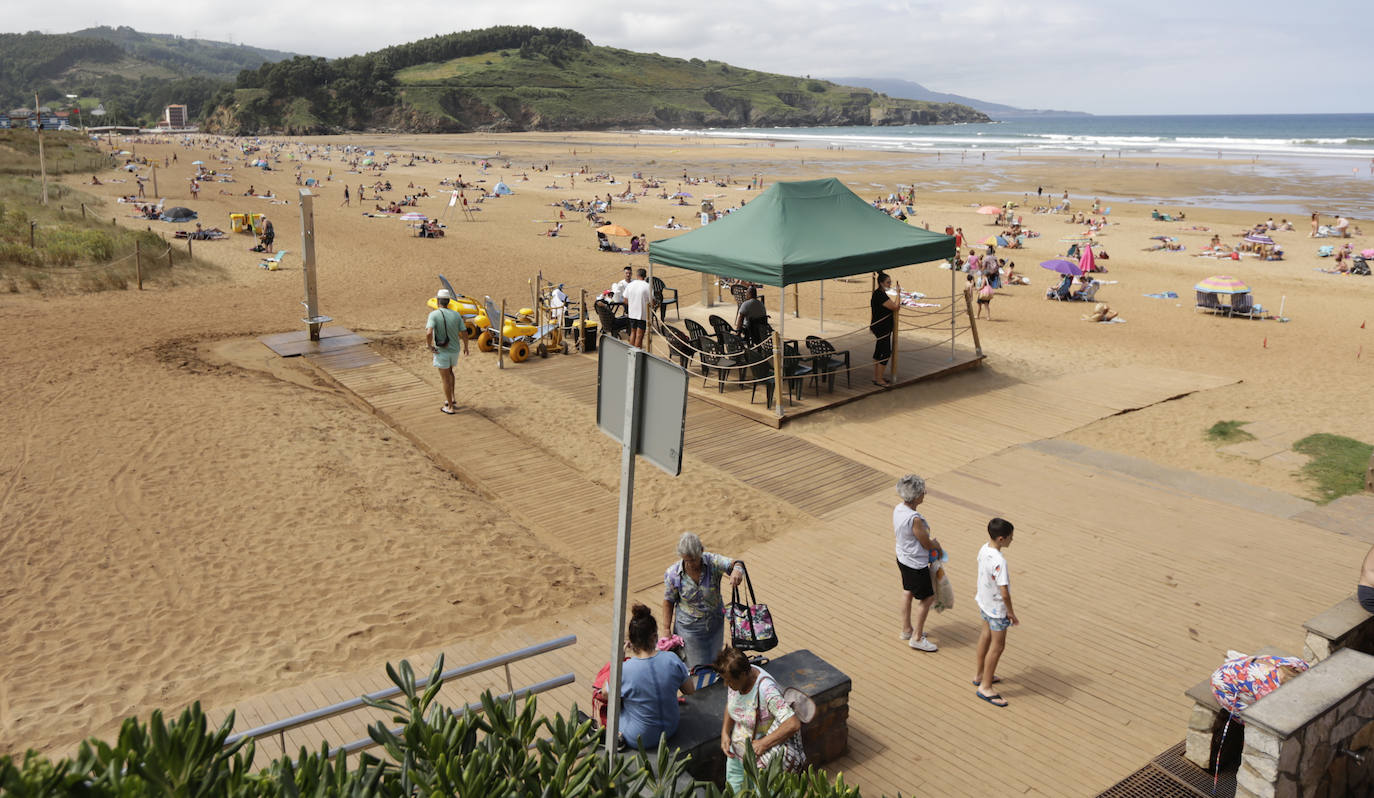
1126 597
921 357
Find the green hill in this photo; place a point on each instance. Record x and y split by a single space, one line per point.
133 74
525 78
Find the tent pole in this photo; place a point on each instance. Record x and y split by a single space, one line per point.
649 315
896 332
796 300
706 290
777 372
822 305
953 287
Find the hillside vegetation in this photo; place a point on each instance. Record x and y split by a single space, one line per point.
525 78
133 74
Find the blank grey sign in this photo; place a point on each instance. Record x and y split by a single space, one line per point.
662 402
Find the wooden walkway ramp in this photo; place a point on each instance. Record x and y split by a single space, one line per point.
1124 603
500 466
808 476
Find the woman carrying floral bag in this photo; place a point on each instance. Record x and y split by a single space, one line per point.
757 716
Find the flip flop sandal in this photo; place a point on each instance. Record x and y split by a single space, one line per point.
979 682
992 699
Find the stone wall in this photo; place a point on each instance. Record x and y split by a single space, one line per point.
1296 737
1345 625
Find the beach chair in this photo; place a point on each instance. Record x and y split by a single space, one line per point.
713 356
1244 305
722 328
273 262
1208 302
797 369
679 345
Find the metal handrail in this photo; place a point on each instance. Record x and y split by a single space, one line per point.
280 727
476 706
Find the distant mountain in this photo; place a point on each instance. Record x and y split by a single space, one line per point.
895 87
189 57
526 78
133 74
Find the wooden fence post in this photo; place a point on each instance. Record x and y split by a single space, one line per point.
582 322
169 257
500 326
973 325
778 382
188 249
138 264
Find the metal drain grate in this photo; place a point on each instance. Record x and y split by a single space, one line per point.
1149 782
1173 763
1169 775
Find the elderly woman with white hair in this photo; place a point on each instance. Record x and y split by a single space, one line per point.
692 606
915 548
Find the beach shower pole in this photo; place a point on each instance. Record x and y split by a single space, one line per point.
312 300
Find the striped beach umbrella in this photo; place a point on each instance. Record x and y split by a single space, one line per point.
1222 284
414 217
1255 238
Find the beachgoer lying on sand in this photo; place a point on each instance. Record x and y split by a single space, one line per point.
553 233
1012 277
1101 312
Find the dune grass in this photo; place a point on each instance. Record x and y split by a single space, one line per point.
1338 464
1229 432
55 249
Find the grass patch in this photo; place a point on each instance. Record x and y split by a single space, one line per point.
1229 432
1338 464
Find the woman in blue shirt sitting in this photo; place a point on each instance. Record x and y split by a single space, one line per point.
650 680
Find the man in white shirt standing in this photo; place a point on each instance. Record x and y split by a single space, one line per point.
637 296
994 602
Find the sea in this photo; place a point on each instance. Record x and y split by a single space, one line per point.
1317 149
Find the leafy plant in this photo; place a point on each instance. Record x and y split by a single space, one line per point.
1229 432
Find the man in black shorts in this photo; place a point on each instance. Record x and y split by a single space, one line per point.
882 307
1365 590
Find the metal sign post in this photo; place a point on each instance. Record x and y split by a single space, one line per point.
641 401
312 299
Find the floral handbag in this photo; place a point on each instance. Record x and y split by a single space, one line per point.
791 750
751 625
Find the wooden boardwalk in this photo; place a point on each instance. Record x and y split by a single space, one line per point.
1129 589
500 466
1124 603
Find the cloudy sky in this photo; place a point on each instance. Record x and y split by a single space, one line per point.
1102 56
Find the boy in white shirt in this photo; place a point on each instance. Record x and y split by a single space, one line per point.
994 602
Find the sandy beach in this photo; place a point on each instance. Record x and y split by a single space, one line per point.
185 516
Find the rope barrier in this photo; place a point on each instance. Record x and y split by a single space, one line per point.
93 267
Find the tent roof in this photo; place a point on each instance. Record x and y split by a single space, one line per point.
798 232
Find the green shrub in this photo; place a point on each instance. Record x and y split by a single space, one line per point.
506 750
1338 464
1229 432
67 246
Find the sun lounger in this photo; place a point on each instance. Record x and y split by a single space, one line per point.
273 262
1208 302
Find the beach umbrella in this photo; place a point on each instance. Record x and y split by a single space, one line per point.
1222 284
1001 242
1163 238
414 217
1086 262
197 163
1062 266
368 162
990 240
1368 253
614 230
1076 239
1254 238
125 152
682 194
989 210
178 214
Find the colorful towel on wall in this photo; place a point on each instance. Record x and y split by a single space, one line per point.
1242 680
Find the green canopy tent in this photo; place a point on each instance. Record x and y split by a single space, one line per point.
800 232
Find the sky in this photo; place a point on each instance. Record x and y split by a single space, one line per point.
1100 56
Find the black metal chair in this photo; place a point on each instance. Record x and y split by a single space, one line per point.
740 291
609 323
721 326
660 290
761 371
797 368
713 356
679 345
827 360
